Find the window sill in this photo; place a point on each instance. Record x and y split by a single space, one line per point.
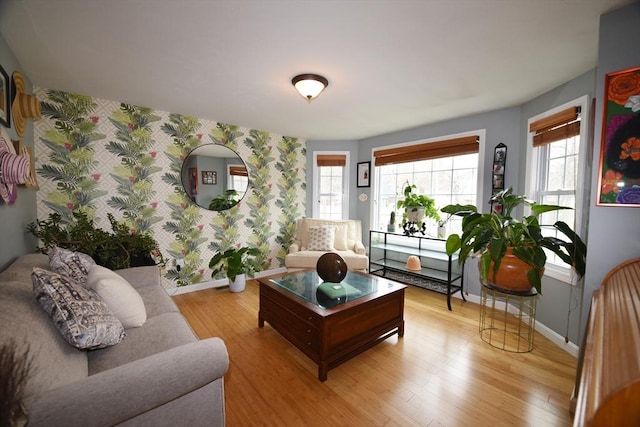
560 273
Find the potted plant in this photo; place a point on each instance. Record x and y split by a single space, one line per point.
391 227
117 249
416 207
507 244
236 263
224 201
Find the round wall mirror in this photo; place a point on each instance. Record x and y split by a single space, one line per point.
214 177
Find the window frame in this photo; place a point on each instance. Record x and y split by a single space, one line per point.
230 179
315 208
480 187
533 175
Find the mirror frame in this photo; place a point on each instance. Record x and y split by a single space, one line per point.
195 180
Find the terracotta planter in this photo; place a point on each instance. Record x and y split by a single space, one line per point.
512 274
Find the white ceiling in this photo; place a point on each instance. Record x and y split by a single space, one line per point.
391 64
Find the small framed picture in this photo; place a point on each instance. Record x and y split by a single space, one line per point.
5 99
209 177
364 174
498 182
500 155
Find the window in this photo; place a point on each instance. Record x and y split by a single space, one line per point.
555 171
446 170
238 179
330 191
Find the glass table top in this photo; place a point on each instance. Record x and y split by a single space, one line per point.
310 287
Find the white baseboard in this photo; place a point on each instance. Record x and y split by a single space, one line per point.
543 330
202 285
221 283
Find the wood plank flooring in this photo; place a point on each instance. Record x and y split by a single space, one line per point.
440 374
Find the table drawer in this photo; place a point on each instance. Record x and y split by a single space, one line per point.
296 308
303 334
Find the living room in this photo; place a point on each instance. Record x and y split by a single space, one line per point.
562 310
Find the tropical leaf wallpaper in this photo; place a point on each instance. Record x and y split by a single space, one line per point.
100 157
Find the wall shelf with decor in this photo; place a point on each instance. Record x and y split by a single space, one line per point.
435 270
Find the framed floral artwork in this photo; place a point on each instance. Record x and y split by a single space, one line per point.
619 168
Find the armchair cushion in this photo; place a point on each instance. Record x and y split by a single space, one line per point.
347 243
340 242
321 238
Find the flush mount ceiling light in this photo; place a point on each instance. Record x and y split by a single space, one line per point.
309 85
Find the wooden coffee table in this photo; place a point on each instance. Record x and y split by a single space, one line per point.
331 322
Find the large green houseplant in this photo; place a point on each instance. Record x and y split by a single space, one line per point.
115 249
416 207
497 234
224 201
235 263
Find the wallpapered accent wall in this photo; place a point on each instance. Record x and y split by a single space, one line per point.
100 157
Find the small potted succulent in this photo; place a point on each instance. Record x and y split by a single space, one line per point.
391 227
236 264
508 245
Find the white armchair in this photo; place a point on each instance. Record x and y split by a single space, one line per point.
311 243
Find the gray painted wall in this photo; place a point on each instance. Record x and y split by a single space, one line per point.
560 303
615 229
14 240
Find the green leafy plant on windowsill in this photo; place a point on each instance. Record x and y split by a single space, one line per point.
114 250
413 203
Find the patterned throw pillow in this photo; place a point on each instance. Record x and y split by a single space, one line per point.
73 264
77 312
321 238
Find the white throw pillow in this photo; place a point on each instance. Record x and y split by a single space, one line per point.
321 238
340 242
121 298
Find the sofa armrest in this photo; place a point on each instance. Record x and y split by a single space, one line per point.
359 248
141 277
119 394
295 247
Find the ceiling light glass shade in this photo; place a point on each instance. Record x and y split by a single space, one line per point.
309 85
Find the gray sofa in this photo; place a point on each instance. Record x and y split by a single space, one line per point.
159 375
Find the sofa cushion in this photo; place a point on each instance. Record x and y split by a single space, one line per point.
82 318
20 269
121 298
156 301
321 238
158 334
73 264
54 363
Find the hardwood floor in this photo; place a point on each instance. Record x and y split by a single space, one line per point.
439 374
